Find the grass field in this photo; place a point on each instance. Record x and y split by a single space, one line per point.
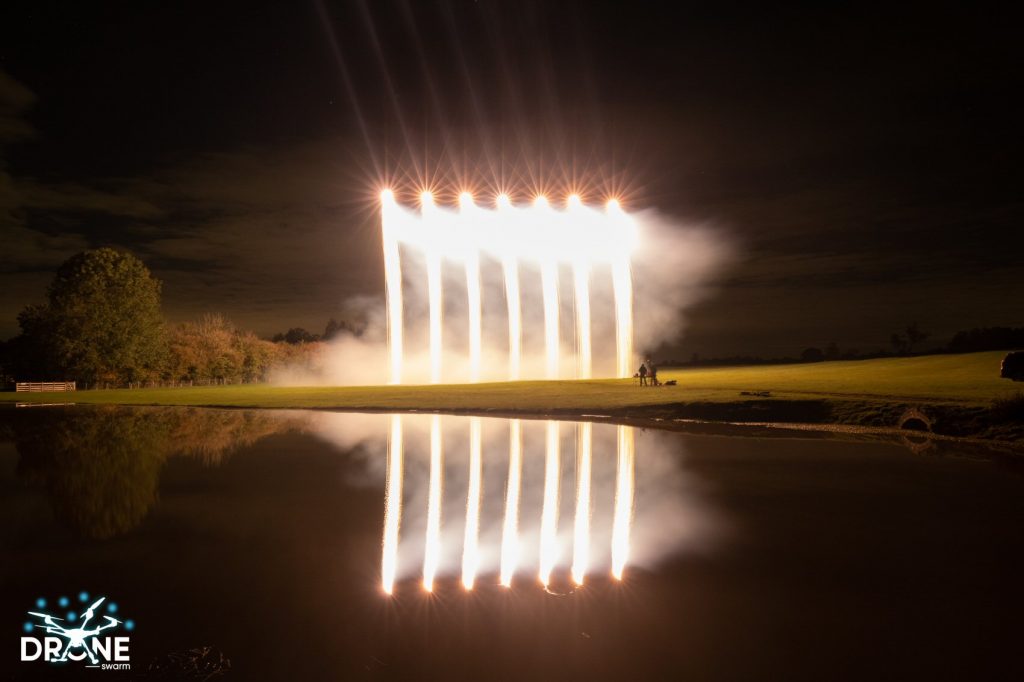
965 380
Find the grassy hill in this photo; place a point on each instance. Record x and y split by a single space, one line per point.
956 380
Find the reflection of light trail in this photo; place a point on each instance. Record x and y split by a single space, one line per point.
432 554
470 547
581 531
434 294
510 529
392 504
549 510
393 284
623 502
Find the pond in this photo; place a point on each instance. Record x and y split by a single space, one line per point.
321 545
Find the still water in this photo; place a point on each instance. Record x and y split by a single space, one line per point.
318 545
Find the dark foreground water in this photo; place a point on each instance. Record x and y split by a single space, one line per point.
263 535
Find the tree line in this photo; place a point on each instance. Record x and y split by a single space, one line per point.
102 325
906 342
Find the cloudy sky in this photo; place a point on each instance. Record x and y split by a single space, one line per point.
862 165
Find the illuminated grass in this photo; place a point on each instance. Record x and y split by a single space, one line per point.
969 379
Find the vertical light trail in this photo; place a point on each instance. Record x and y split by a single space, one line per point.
432 553
549 288
472 290
622 284
434 293
392 283
581 282
549 285
623 516
510 268
470 546
581 530
475 325
510 528
549 510
581 290
515 329
392 504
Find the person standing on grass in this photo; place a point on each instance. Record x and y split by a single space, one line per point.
654 374
643 374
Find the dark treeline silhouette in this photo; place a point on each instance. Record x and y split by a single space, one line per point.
102 326
904 343
987 338
334 328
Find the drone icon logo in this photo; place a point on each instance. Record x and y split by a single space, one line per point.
75 637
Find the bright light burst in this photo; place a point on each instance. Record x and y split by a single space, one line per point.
540 235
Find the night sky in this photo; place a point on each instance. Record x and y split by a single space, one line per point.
862 163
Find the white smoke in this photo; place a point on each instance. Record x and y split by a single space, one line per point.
672 266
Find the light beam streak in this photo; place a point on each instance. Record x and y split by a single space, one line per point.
622 286
472 288
470 546
549 284
392 284
549 288
581 282
623 516
432 553
434 292
538 235
581 530
515 328
510 269
392 504
510 528
549 510
475 325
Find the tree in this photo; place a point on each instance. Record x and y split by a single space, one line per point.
812 355
904 343
102 320
212 350
295 336
915 337
205 351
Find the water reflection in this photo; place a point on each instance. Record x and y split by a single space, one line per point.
464 498
471 498
101 466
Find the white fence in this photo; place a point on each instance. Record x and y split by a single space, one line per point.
44 386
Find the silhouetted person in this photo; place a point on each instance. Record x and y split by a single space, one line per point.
643 375
654 375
